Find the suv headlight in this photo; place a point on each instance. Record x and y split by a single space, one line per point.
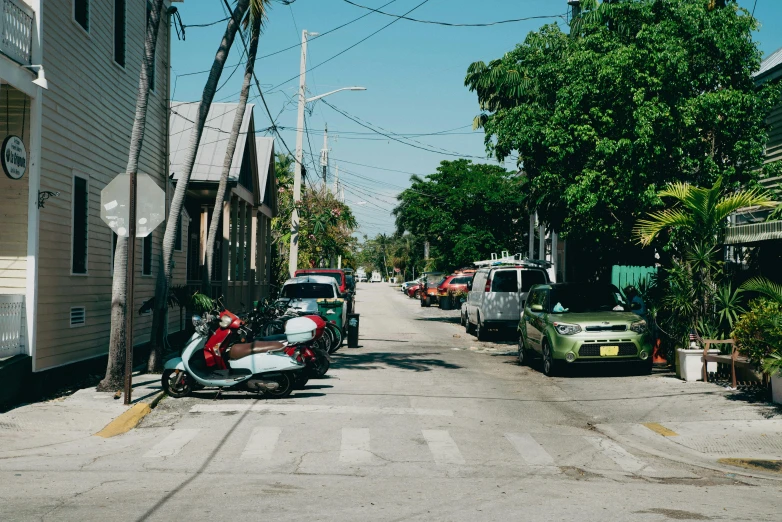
567 329
639 327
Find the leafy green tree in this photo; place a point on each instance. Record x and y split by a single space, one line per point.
465 210
326 224
641 93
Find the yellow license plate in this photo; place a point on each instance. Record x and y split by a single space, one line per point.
608 351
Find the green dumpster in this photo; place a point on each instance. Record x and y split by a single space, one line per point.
332 309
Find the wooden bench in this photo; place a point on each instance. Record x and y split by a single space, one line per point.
734 359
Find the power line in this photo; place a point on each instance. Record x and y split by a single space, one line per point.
298 44
448 24
348 48
423 146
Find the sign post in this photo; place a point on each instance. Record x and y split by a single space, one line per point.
121 211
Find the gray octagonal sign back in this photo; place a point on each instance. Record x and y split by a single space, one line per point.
115 205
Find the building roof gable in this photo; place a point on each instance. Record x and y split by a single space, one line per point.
214 140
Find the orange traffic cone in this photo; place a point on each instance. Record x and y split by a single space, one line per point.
657 353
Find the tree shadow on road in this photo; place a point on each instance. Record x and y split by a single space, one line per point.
418 362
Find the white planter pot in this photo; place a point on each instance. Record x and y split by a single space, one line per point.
776 388
691 364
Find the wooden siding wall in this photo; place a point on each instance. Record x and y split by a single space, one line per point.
13 210
774 143
87 118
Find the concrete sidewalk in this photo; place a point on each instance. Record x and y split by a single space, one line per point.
78 416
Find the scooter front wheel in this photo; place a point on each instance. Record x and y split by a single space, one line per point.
176 383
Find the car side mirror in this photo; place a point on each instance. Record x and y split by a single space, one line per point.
536 308
469 285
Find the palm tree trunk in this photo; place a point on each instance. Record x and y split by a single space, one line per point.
155 362
120 304
229 151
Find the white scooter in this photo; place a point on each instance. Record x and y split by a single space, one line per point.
259 366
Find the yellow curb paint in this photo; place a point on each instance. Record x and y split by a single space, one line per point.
125 422
771 466
660 429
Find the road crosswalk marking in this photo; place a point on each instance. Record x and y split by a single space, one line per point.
317 408
443 448
262 443
619 455
172 444
355 447
530 450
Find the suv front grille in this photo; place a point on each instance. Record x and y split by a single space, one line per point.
593 350
611 328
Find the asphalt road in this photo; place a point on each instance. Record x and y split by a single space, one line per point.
421 422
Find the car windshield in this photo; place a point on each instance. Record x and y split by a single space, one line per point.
585 298
460 280
308 291
434 279
335 275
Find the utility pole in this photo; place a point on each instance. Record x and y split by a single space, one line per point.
324 155
294 253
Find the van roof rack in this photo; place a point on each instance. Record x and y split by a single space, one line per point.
512 260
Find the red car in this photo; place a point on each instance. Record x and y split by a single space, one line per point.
454 283
413 291
338 275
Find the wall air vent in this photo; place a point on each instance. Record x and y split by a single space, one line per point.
78 316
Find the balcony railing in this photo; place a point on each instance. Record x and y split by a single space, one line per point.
16 30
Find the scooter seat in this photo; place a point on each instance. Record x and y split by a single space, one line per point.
239 351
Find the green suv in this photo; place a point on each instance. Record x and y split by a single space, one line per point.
576 323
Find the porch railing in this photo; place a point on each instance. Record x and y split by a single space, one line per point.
16 31
11 325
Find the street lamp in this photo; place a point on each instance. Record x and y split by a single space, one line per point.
303 100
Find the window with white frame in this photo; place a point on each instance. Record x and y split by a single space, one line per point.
79 224
81 13
120 14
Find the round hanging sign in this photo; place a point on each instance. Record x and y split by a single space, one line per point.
14 157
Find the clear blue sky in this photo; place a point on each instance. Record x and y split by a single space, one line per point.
413 72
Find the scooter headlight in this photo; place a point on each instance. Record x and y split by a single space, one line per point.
196 319
225 321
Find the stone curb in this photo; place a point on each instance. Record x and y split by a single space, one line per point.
130 418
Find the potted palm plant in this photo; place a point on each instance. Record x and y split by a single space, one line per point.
698 303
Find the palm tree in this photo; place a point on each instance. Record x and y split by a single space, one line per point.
700 213
115 369
159 321
255 18
698 219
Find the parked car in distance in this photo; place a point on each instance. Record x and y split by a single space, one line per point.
497 297
406 285
302 292
454 283
339 277
428 290
577 323
376 278
413 291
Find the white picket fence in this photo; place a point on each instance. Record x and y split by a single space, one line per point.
12 325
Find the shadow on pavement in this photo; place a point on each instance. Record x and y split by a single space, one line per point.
373 361
444 319
385 340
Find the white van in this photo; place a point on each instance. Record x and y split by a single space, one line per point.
497 297
376 278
